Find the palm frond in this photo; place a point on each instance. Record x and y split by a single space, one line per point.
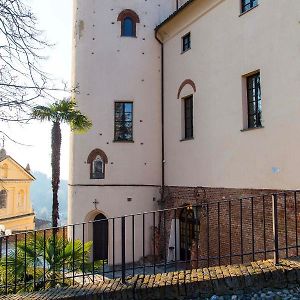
64 111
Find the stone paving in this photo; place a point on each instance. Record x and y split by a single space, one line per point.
223 282
292 293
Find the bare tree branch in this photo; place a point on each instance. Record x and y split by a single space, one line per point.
22 45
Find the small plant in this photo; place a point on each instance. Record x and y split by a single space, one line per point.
39 263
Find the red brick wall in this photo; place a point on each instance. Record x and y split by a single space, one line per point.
215 213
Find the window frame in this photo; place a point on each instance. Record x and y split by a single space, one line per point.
188 131
93 173
96 153
251 4
3 199
253 99
116 139
189 43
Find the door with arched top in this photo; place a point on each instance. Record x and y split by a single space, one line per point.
100 237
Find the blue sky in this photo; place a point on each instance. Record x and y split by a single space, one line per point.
55 19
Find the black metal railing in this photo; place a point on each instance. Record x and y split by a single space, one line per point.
192 236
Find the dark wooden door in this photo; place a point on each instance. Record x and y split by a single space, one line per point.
100 237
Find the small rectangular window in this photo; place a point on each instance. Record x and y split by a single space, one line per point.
188 118
254 101
186 42
123 121
248 4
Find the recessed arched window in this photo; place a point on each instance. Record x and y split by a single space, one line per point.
3 199
97 160
186 92
128 19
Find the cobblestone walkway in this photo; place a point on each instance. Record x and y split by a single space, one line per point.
291 293
204 283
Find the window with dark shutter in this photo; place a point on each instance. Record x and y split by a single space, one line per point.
188 118
128 27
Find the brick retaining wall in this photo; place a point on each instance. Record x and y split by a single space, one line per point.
230 238
205 282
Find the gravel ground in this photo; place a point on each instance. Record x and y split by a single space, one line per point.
267 294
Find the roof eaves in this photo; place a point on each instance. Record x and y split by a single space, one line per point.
7 156
173 15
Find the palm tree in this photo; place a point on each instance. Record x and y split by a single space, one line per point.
64 111
44 262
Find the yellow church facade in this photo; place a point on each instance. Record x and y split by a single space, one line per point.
16 213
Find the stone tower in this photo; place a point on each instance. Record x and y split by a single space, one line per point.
115 168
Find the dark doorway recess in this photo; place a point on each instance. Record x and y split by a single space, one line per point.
100 237
189 226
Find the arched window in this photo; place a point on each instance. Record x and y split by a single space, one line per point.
97 160
128 19
186 92
3 199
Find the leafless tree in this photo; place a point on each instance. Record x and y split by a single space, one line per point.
22 44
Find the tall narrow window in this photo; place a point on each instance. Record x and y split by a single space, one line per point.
254 101
188 117
123 121
3 199
248 4
186 42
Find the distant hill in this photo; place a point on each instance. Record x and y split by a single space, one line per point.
41 197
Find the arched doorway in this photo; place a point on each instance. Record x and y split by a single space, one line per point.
100 237
188 231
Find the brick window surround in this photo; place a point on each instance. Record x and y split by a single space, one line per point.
183 84
96 153
125 17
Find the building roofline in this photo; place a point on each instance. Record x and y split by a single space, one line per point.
9 157
173 15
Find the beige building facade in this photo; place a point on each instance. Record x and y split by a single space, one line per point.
16 213
197 98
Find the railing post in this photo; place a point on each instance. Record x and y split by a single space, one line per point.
275 228
123 249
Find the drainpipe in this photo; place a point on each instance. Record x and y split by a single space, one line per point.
162 119
177 4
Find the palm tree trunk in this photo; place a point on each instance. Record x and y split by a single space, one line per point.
55 163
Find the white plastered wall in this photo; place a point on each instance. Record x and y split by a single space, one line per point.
111 68
226 46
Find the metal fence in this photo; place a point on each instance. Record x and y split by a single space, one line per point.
206 234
